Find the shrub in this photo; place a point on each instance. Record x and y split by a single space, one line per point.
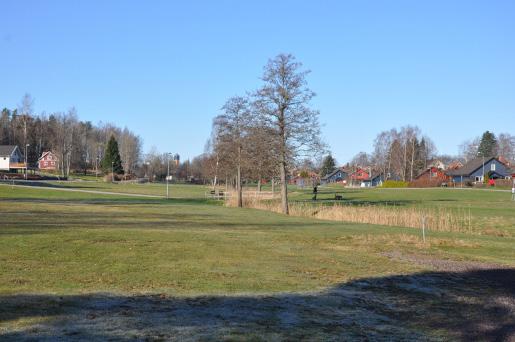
109 177
426 183
394 184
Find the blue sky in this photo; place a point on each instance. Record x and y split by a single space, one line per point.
163 69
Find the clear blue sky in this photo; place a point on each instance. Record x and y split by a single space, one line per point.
164 69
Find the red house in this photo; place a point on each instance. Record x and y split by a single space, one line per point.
47 161
359 175
432 173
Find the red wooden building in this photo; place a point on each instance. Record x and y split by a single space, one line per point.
47 161
432 173
359 175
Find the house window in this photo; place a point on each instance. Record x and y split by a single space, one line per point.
478 179
492 167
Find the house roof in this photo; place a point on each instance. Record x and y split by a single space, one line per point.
7 150
330 174
44 155
469 167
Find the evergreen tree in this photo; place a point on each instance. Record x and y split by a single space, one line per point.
112 160
420 159
488 145
328 165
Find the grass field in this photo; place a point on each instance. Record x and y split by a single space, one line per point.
94 266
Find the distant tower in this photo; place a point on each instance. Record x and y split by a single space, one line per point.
177 159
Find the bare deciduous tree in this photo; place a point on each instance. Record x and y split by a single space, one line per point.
283 105
231 128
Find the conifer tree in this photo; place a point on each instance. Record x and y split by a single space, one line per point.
112 160
488 145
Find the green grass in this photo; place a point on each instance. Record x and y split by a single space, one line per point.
75 264
157 189
67 242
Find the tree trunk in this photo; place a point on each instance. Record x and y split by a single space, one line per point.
412 159
259 183
284 187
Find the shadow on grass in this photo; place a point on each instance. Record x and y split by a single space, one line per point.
45 184
473 305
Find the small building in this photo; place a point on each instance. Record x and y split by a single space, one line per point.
432 173
338 175
474 170
304 179
11 158
359 176
48 161
377 179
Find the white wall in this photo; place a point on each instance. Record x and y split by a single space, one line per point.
4 164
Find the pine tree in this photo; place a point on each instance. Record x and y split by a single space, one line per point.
488 145
112 160
328 165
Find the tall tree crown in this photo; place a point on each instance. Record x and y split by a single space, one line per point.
112 160
488 145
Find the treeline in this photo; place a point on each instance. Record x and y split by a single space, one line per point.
403 152
79 145
406 152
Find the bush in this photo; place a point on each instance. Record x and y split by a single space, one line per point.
394 184
109 177
426 183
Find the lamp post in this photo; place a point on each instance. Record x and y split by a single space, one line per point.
96 168
26 161
112 171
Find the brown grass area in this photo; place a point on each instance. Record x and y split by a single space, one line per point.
435 219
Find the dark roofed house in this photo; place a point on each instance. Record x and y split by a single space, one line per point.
10 158
378 178
474 170
338 175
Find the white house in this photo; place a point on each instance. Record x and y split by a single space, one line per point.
10 158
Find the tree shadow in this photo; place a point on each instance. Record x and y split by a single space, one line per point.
472 305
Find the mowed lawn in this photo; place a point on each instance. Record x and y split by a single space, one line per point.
55 243
154 189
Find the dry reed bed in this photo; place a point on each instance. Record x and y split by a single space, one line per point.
436 219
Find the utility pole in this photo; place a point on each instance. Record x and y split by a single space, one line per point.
112 171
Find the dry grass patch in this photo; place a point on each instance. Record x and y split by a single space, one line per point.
435 219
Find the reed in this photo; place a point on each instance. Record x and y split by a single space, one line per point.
436 219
